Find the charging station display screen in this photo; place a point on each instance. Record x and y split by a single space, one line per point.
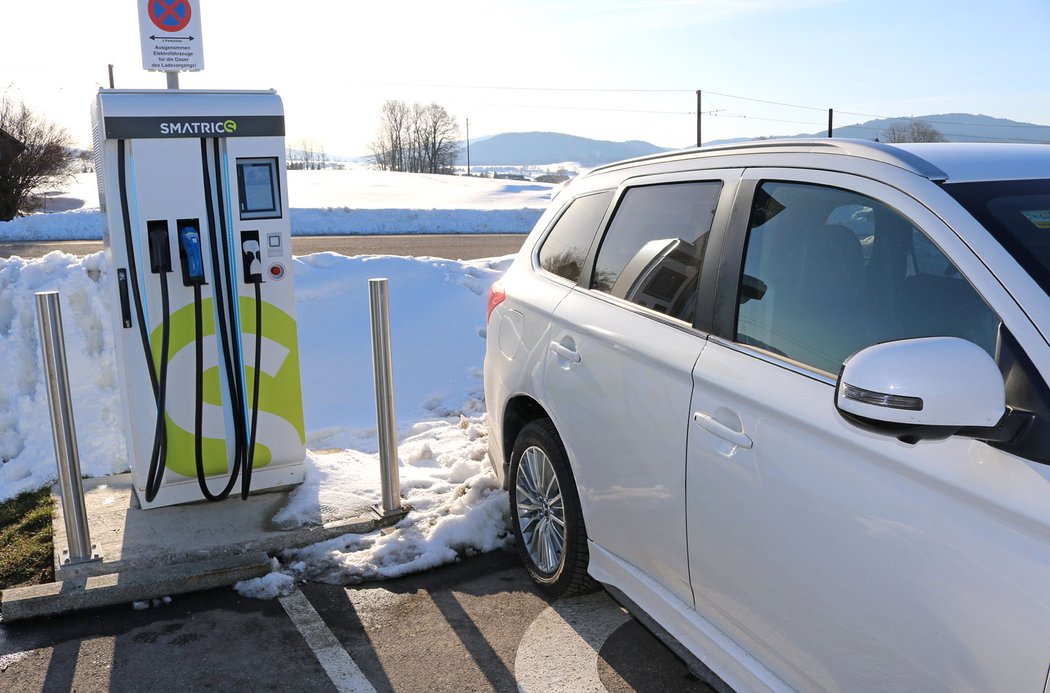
258 189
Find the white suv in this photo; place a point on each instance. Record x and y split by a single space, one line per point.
790 401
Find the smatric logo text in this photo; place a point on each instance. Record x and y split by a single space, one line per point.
199 127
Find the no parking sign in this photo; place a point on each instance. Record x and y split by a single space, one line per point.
171 35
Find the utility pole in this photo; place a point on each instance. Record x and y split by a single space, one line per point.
111 76
468 147
698 118
831 116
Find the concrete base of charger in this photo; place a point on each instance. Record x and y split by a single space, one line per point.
173 550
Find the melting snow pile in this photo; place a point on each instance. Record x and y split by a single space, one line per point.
438 330
457 509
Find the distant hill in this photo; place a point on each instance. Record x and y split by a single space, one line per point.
955 127
540 148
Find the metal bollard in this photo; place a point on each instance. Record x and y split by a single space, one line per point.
53 346
383 372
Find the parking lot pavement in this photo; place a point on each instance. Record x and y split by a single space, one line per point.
475 626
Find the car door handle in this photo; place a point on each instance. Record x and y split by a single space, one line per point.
738 438
562 351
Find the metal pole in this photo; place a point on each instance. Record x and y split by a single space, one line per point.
697 117
111 75
831 116
468 147
53 346
173 80
383 371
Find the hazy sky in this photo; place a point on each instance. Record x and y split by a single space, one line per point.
618 69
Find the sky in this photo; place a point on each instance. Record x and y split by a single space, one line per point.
606 69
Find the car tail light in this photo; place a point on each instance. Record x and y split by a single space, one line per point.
496 296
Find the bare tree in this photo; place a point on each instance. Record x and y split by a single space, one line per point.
418 138
388 149
436 138
307 156
46 160
912 131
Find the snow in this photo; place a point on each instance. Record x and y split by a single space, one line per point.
438 337
335 203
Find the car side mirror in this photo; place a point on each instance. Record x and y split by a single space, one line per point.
925 388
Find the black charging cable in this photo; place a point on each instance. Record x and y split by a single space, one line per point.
158 457
246 479
160 263
193 275
245 453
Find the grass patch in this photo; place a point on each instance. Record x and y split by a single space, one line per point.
26 543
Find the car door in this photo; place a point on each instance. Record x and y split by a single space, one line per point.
844 559
617 376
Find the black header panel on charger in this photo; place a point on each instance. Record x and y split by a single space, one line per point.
258 188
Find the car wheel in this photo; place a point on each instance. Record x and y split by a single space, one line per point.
545 512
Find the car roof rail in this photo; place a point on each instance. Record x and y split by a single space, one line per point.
865 149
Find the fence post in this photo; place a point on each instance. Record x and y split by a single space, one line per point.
383 372
56 373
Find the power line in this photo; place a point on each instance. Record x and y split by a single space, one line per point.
883 117
506 88
772 120
714 112
775 103
706 92
586 108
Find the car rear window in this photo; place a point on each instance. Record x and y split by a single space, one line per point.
565 249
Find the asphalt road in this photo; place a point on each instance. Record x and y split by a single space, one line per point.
450 246
478 625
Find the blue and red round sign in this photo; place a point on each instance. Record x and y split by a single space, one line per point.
170 15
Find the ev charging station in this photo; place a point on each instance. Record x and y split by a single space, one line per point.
198 240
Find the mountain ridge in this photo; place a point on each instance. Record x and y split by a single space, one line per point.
543 148
955 127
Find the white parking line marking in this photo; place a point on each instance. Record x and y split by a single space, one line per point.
336 661
559 651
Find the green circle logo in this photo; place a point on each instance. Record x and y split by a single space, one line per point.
230 126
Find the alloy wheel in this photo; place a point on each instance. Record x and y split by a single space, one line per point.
541 513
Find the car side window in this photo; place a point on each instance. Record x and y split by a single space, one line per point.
565 249
828 271
653 249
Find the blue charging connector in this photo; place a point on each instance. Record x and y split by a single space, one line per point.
190 254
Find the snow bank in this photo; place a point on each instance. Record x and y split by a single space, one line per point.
26 449
79 225
438 331
457 509
437 315
438 336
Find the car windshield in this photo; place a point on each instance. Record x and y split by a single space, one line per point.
1017 213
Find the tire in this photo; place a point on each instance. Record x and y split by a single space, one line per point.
545 512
